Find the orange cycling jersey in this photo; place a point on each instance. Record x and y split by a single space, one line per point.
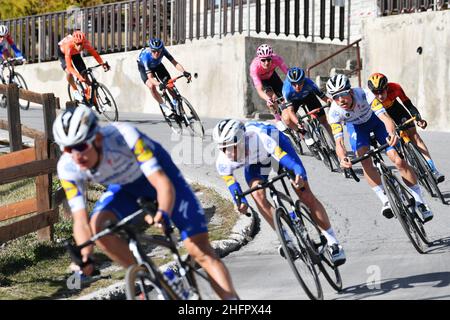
67 47
394 91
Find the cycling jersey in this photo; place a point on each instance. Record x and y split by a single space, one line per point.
67 48
309 87
262 143
258 73
360 113
9 40
128 157
149 63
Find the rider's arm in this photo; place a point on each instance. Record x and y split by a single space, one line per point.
152 79
388 122
316 90
257 81
70 67
89 48
16 50
341 152
407 103
234 187
82 231
337 130
164 189
278 61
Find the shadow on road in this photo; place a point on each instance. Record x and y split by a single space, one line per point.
440 246
377 290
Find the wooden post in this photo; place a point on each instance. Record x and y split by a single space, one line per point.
15 130
44 189
49 110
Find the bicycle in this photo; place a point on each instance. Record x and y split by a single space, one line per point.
400 198
13 77
311 246
294 136
322 146
180 116
419 164
144 280
96 95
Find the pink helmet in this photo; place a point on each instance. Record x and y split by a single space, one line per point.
264 51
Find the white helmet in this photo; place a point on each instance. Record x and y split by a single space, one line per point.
228 132
337 83
75 126
3 30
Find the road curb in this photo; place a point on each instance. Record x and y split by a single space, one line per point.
242 232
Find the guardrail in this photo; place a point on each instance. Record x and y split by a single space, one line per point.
390 7
39 213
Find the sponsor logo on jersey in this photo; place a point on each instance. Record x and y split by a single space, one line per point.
142 152
279 153
229 180
336 128
70 188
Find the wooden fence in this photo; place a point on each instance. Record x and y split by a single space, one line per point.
39 213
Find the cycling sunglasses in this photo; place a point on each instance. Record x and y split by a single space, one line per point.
155 51
378 91
266 59
298 83
81 147
341 94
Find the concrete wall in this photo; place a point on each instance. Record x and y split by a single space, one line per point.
390 46
223 86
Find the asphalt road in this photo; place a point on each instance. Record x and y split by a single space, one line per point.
381 262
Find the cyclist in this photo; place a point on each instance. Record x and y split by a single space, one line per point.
5 38
131 165
69 53
266 81
300 90
153 73
350 106
387 94
254 145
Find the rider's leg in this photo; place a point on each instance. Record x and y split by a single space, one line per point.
290 118
71 80
264 206
199 248
114 247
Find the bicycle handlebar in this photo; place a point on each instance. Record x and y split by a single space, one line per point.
313 112
369 153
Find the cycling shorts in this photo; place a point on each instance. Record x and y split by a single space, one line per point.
188 215
77 62
160 73
360 133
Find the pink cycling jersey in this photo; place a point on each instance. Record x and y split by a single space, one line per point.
258 73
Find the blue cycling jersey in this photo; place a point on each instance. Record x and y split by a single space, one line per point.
149 63
309 87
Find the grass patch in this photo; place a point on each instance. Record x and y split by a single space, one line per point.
39 270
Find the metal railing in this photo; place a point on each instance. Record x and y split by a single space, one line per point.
358 60
129 24
390 7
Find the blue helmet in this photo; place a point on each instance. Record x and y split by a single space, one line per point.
156 44
296 75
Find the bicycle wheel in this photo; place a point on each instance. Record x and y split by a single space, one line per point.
415 165
20 81
401 211
141 284
329 144
105 103
191 118
298 256
428 175
313 149
175 123
295 140
318 240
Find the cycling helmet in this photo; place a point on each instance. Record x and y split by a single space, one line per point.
75 126
78 36
228 132
156 44
3 30
338 83
264 51
377 82
296 75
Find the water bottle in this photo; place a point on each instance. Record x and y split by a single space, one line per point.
176 283
293 215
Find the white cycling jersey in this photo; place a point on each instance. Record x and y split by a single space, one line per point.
121 145
260 147
359 114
